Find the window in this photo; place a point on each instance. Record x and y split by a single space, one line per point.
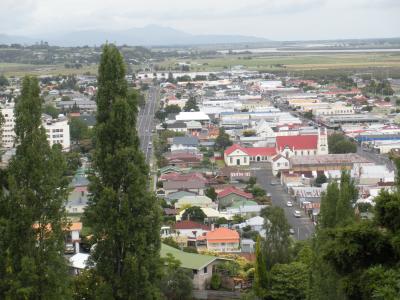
75 209
194 272
231 160
205 271
278 164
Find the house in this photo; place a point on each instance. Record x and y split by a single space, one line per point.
172 197
190 228
255 223
202 266
184 143
232 195
280 163
73 235
77 200
200 201
192 185
170 169
247 245
234 174
237 155
302 145
183 159
177 127
222 240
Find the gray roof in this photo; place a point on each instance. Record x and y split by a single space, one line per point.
90 120
190 184
186 140
178 195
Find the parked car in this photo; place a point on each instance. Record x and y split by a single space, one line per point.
289 204
291 231
274 182
297 213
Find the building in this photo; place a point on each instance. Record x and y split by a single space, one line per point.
57 131
202 266
302 145
8 134
190 228
232 195
237 155
222 240
200 201
184 143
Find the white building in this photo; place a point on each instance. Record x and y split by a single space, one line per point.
57 131
8 134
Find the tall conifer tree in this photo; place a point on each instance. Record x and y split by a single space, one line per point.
124 216
34 221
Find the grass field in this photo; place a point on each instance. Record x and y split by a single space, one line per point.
302 63
12 69
293 62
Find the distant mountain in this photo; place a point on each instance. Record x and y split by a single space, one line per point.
13 39
151 35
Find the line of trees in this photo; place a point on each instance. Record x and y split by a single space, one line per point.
124 217
347 258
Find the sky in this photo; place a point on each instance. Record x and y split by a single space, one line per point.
272 19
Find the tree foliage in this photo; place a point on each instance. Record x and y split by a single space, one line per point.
338 143
191 105
123 215
194 213
33 220
222 141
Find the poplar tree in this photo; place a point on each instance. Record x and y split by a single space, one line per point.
123 215
32 241
329 201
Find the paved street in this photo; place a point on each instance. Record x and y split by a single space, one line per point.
145 122
303 226
375 157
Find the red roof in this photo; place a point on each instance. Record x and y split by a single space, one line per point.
187 224
233 190
297 142
222 234
261 151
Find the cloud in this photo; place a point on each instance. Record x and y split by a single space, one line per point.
278 18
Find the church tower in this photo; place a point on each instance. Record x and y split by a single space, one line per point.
322 141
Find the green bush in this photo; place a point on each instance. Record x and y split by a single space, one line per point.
215 281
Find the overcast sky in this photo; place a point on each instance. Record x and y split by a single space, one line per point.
273 19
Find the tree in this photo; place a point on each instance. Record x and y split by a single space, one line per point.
348 194
191 105
194 213
172 109
211 193
288 281
124 216
260 275
338 143
32 265
215 281
177 283
78 129
277 240
327 216
222 141
3 81
51 110
321 179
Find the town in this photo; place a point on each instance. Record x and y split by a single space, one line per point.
222 147
213 150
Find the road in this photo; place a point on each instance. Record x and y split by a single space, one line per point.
146 122
302 226
379 159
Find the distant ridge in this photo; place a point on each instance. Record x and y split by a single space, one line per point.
151 35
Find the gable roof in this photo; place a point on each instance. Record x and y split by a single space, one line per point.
188 260
251 151
187 224
278 157
234 190
222 234
185 140
297 142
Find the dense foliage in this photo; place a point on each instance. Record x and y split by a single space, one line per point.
123 215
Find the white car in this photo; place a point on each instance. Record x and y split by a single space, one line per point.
297 213
291 231
289 204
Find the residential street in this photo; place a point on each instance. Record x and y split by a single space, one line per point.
303 226
146 122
